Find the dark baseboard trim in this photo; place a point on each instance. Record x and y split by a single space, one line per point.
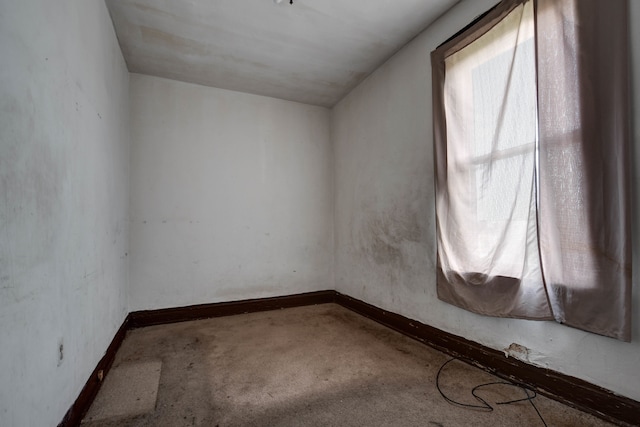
74 415
141 319
569 390
138 319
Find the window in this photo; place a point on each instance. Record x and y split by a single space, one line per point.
532 186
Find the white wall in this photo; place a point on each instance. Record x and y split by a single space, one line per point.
64 147
231 195
385 217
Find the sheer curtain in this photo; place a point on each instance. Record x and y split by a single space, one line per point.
532 216
585 195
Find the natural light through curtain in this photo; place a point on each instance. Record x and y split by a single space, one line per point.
531 145
584 213
487 226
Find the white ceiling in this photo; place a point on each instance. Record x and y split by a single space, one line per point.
314 51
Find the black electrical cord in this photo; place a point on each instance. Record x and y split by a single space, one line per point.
484 406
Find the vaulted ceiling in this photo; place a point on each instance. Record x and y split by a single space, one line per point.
314 51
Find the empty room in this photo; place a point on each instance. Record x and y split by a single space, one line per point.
327 213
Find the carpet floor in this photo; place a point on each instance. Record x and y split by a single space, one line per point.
318 365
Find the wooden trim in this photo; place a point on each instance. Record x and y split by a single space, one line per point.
138 319
572 391
569 390
141 319
74 415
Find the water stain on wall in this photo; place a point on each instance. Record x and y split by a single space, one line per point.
31 181
383 236
384 252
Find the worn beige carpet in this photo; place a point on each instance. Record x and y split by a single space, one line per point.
315 366
130 389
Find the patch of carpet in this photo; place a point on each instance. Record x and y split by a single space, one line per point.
128 390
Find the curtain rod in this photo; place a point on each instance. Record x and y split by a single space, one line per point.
471 24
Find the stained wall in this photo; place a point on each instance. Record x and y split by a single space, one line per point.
385 242
64 206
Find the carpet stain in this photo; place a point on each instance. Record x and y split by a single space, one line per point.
319 365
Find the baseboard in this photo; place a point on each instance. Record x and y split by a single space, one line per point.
138 319
566 389
74 415
569 390
141 319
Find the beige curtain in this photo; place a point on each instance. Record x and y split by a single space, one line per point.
584 213
532 193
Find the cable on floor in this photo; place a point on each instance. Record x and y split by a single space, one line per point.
484 405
